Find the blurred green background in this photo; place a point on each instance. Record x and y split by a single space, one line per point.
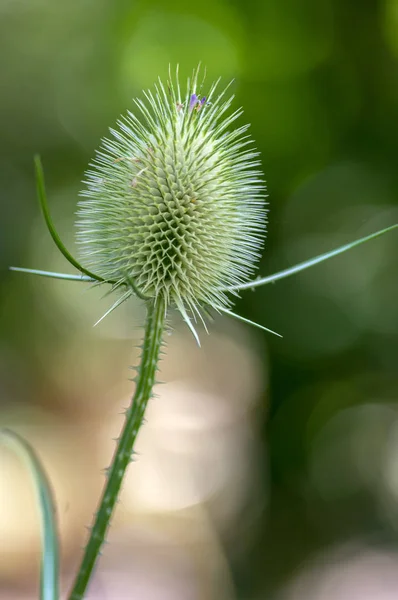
318 80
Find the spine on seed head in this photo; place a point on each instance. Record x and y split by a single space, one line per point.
174 203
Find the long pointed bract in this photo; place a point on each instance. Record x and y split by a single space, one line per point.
65 276
244 320
118 302
308 263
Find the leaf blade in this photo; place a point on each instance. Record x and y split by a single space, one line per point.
49 576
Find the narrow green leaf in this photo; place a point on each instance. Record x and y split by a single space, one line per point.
41 192
65 276
49 582
309 263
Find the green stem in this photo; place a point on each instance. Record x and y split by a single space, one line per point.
134 417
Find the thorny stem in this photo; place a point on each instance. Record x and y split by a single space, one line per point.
122 457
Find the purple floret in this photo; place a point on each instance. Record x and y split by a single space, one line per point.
193 101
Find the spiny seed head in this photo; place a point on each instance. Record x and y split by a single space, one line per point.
174 201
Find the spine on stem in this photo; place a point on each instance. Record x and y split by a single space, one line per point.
122 457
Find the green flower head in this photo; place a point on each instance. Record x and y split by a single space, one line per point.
174 206
174 203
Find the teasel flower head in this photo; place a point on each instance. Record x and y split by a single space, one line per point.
174 203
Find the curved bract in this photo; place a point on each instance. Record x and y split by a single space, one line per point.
42 196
